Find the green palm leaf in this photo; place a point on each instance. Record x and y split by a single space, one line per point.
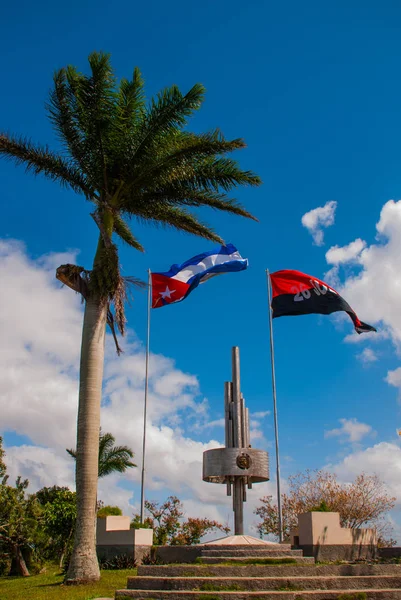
123 231
112 459
39 160
182 155
178 218
130 103
194 197
170 110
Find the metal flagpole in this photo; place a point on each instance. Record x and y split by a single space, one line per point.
280 512
146 398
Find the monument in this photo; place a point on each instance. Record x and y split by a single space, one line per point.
238 465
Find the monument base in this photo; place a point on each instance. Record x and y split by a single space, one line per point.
239 540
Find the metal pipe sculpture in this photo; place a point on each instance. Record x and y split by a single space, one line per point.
237 465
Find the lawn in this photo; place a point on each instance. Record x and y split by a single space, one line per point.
49 586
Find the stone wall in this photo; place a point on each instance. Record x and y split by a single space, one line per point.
338 551
177 554
389 552
320 534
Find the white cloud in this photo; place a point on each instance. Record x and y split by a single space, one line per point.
351 430
39 357
39 348
216 423
354 338
394 378
375 291
339 255
261 414
318 219
367 356
383 459
42 466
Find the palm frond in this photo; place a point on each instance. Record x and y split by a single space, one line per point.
219 173
92 102
135 282
130 102
194 197
71 452
40 160
170 110
62 110
182 153
111 458
178 218
123 231
106 441
115 452
115 466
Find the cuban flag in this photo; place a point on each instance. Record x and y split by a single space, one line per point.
180 280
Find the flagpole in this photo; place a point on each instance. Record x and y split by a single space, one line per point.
280 512
146 398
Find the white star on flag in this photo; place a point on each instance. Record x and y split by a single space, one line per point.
167 293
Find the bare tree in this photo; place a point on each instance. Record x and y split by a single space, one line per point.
365 501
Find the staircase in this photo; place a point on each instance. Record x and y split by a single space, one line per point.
263 572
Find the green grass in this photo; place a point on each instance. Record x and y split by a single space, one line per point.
49 586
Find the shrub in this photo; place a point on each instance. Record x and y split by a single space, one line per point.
123 561
5 563
109 511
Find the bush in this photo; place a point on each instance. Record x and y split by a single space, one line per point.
151 559
109 511
5 563
123 561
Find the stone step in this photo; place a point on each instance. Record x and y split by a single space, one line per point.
250 551
239 570
245 546
356 594
214 560
299 584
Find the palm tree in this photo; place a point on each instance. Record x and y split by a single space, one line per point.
131 160
112 459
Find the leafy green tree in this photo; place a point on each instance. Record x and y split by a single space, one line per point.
58 519
112 459
132 160
166 520
19 522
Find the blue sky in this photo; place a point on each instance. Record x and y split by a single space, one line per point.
314 90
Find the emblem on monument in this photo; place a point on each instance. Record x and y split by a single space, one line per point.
244 461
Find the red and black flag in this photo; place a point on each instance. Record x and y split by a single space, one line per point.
295 293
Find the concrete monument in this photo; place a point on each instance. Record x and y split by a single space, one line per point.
238 465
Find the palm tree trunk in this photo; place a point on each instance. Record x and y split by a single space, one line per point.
84 566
